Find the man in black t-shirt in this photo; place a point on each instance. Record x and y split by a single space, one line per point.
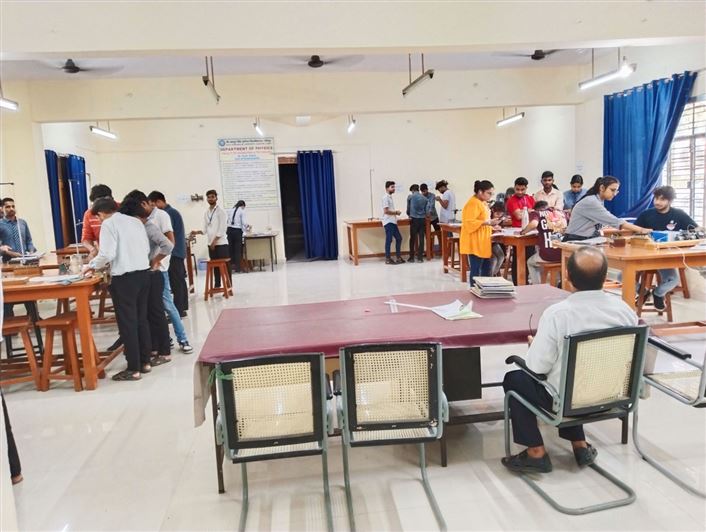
665 218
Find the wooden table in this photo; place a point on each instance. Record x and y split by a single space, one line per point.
632 259
352 228
81 291
519 242
270 237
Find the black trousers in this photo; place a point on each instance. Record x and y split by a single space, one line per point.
159 328
235 246
529 251
12 454
220 252
177 280
524 422
417 237
130 292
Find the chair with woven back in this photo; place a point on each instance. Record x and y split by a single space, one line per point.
390 394
274 407
600 379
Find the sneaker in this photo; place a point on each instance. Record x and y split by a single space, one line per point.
585 455
400 260
171 342
658 302
390 261
523 463
410 260
182 314
186 347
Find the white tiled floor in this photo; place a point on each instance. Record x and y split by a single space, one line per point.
126 456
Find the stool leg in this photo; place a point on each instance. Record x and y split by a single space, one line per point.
31 359
72 354
47 359
207 288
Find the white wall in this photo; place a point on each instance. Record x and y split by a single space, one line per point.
179 157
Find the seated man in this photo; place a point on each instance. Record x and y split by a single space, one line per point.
541 220
14 232
588 309
665 218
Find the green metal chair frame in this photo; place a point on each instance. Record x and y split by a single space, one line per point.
393 428
697 400
272 445
564 414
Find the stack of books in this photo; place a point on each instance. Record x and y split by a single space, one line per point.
492 288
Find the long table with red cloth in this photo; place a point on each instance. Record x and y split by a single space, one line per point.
328 326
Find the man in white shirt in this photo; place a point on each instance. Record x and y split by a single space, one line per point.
125 247
549 192
447 200
389 223
588 309
215 223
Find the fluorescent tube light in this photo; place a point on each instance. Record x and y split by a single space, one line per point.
351 124
429 74
510 119
103 132
256 125
9 104
623 72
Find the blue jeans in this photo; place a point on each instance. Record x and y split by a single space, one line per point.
172 312
478 267
391 230
670 279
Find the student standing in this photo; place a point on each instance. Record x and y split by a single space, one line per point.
414 189
518 206
215 222
389 223
237 225
418 214
663 217
476 229
125 247
177 269
447 201
91 228
575 192
549 192
14 232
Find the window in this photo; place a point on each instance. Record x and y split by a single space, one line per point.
685 165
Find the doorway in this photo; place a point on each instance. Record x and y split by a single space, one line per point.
293 225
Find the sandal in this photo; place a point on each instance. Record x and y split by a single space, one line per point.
146 367
126 375
159 360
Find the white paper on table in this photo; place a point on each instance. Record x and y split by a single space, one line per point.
514 231
451 311
55 279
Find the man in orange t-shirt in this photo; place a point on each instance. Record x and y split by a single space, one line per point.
476 229
91 228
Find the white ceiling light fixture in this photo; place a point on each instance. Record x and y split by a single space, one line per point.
209 80
107 133
425 75
510 119
6 103
624 70
351 124
256 125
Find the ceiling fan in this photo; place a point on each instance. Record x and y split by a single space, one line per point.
70 67
316 61
537 55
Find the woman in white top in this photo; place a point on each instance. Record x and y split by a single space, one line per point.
236 226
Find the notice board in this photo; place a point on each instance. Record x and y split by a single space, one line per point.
248 172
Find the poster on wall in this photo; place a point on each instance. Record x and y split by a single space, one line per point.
248 172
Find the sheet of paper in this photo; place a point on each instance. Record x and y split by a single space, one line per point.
55 279
456 311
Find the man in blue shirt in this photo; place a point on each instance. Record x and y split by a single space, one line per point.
419 211
177 270
14 232
574 194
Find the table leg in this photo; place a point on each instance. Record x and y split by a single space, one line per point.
83 314
445 250
274 247
350 247
564 274
521 253
629 284
272 254
442 447
463 263
355 246
218 448
427 229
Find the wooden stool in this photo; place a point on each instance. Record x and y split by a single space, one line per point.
454 244
508 262
646 279
65 324
550 271
683 285
217 267
14 370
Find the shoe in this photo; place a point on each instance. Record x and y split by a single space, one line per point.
410 260
390 261
171 342
648 294
585 455
420 259
186 347
400 260
523 463
182 314
658 302
16 479
117 343
159 360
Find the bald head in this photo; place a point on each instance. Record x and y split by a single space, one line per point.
587 268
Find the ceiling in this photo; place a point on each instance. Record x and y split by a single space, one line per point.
189 65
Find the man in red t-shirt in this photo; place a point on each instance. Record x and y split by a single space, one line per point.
540 220
91 228
518 201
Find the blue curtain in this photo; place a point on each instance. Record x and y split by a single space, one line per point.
75 175
318 201
638 128
52 161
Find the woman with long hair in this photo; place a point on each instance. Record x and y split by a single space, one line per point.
589 214
476 229
236 226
